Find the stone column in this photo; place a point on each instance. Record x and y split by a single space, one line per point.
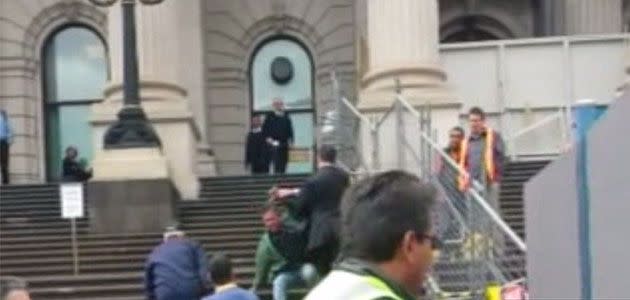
192 75
592 17
403 43
164 96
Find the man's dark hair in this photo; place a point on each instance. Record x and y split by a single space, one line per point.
328 153
221 269
9 284
459 129
476 110
379 210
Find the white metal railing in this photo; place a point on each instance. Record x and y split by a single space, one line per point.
473 191
561 118
414 149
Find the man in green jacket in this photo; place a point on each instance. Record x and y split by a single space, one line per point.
387 244
280 254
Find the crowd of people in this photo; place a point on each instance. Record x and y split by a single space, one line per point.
370 240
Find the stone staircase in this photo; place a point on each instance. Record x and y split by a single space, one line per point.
512 206
35 241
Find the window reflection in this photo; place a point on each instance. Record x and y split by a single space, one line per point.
297 92
78 63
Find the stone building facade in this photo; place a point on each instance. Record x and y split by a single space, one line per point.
204 66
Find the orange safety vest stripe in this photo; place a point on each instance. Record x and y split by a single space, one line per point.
464 180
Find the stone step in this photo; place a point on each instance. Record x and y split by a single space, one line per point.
88 291
43 232
7 256
30 197
63 242
96 260
221 218
39 223
254 201
245 180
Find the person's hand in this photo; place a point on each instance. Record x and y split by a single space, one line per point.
284 193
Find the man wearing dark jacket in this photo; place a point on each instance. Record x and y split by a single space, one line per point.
278 132
318 201
257 149
176 269
73 169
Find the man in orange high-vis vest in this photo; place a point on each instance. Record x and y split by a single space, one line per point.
482 154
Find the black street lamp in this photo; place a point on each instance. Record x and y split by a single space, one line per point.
132 129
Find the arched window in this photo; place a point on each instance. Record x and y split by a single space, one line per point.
282 68
472 28
75 72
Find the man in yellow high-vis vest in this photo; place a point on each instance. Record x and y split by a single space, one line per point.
482 154
387 244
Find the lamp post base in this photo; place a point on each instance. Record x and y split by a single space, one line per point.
132 130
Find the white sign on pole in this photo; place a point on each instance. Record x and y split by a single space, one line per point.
71 200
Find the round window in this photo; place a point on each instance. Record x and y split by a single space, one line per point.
281 70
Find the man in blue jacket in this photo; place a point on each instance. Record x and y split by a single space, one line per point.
176 269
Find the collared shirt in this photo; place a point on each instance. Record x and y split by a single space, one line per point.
226 286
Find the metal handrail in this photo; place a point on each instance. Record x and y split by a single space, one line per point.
473 192
353 109
536 125
562 115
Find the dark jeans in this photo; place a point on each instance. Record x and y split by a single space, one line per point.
280 159
4 161
324 256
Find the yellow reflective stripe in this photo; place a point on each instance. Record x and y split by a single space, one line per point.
381 287
488 159
489 153
463 155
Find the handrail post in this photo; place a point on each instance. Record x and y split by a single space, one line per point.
400 134
422 145
376 165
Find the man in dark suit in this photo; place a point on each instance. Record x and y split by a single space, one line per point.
318 201
257 149
278 131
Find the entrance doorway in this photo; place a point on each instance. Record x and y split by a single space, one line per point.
282 68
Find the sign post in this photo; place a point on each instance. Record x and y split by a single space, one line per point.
71 195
